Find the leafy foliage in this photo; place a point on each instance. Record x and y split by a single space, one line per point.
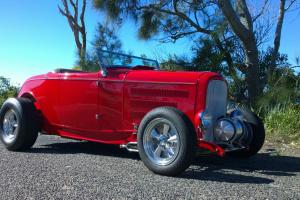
229 35
174 19
7 90
207 57
176 63
89 64
282 87
105 39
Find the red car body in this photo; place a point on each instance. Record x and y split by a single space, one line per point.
108 109
164 116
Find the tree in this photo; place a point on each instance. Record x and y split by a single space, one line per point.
225 22
6 90
106 39
176 19
76 22
277 36
283 87
241 23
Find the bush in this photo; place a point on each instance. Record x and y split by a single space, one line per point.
7 90
283 122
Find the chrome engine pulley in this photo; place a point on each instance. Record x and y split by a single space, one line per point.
227 129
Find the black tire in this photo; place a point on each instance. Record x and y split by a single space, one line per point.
258 135
186 134
28 121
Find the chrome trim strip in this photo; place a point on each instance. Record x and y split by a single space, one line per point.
125 81
152 82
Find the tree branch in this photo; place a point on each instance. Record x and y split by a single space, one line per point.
175 13
261 11
189 20
183 34
83 32
77 29
290 5
234 20
245 16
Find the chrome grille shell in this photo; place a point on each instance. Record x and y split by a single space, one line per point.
216 98
216 105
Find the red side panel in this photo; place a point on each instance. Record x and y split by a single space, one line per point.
78 102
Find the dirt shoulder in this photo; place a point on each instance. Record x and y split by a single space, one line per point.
278 146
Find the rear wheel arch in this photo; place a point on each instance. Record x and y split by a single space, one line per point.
31 97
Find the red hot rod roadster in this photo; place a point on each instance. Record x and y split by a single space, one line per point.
128 101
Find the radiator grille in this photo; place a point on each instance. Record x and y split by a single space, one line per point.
216 99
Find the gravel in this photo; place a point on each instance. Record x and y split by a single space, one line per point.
58 168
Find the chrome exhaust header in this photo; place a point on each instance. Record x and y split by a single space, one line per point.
130 146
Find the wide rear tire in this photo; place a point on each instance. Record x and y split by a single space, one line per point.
166 141
19 124
258 135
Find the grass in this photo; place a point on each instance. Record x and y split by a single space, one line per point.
283 124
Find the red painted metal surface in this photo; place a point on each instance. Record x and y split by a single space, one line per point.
88 106
211 147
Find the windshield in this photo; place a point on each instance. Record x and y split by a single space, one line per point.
113 60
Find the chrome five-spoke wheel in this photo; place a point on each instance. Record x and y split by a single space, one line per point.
161 141
166 141
10 125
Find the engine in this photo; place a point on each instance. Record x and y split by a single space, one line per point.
220 127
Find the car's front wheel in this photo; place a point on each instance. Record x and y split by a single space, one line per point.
18 124
166 141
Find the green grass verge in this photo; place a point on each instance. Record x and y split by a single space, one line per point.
283 123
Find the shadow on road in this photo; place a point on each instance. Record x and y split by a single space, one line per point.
209 168
86 148
234 170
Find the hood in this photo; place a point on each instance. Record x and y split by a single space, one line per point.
41 76
170 77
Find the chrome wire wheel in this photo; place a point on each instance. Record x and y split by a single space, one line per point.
161 142
10 126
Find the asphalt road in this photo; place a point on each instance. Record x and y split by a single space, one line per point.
65 169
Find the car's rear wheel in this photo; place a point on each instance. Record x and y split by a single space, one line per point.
166 141
19 124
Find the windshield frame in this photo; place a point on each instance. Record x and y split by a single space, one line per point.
104 67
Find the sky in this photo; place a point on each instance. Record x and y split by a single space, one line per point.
36 39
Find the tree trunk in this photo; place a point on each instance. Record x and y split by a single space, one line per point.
241 23
78 28
252 73
277 38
